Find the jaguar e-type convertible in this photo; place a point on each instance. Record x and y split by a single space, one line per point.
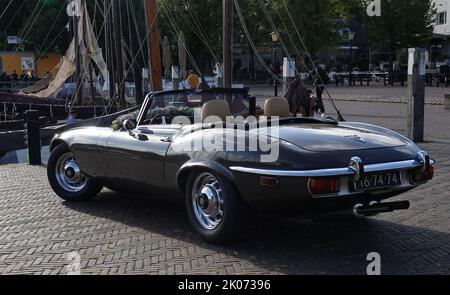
322 166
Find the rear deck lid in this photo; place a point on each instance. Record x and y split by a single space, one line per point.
325 138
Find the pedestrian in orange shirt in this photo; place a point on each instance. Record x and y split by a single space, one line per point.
193 80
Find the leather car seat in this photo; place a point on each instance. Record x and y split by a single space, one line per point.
277 107
215 111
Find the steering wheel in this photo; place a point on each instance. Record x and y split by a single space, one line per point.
153 120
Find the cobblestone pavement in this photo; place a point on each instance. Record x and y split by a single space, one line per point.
117 234
374 93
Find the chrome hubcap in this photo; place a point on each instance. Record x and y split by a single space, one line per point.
207 201
69 175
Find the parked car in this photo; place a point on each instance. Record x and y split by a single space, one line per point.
323 166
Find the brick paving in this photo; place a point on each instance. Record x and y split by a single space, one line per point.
134 234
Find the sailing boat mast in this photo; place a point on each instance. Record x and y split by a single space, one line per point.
134 46
153 45
228 43
75 20
117 24
109 49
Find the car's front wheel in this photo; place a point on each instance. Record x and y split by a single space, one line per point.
66 178
215 208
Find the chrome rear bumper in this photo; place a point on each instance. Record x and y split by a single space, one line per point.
422 161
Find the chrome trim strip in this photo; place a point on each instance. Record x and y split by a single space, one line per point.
403 165
287 173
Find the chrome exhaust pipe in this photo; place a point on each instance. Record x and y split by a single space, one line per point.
356 209
359 210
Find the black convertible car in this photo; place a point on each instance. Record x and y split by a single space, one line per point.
313 166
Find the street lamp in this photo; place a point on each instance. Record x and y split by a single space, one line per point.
275 43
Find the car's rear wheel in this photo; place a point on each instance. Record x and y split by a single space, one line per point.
66 178
215 208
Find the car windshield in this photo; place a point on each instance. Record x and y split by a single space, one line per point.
165 106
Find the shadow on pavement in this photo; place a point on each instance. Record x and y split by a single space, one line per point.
292 246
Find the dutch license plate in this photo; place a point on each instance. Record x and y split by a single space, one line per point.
378 180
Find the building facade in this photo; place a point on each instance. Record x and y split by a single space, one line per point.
352 51
25 62
439 50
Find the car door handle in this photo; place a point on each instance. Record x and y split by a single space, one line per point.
167 139
142 137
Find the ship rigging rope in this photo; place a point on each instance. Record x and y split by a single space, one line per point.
252 44
136 27
24 36
274 28
200 26
41 53
104 22
82 78
94 17
4 11
55 38
111 103
315 72
175 30
14 17
199 32
318 77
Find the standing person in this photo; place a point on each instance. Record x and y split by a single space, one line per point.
321 80
299 98
193 80
203 85
72 117
15 76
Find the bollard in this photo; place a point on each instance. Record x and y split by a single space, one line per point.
289 71
218 79
175 77
447 102
416 94
33 137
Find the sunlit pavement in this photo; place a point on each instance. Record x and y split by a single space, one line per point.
117 234
373 93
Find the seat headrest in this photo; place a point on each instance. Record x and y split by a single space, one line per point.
277 107
215 110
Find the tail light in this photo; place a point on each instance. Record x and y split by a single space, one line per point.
324 186
419 176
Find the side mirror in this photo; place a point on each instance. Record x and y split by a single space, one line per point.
129 125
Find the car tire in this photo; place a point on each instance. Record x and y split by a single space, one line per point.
233 210
66 178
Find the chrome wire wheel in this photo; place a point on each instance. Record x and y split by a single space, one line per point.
208 201
69 175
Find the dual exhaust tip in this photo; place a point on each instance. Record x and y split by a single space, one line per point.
374 208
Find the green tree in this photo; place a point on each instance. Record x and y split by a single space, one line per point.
402 24
49 31
315 21
40 24
12 20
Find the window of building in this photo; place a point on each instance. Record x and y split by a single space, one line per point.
333 58
344 33
441 18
